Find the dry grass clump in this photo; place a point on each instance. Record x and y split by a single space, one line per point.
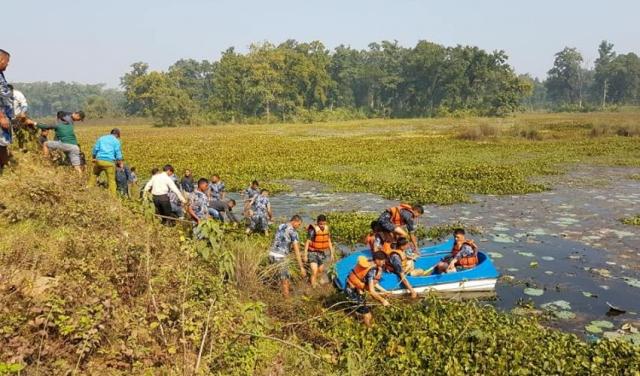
478 132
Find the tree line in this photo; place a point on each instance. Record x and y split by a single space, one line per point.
296 81
572 86
47 98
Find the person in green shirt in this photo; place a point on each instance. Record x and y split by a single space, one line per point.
65 140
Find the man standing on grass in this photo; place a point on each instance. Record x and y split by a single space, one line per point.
198 207
318 247
216 188
123 178
260 213
285 239
160 185
6 111
20 105
106 152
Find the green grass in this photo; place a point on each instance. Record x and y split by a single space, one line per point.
422 160
119 294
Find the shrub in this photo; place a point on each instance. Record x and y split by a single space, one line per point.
529 133
478 132
628 130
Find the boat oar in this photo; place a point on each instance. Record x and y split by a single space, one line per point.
433 254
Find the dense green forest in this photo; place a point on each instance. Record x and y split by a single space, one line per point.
297 81
46 98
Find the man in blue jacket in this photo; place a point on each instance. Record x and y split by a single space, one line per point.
106 152
6 111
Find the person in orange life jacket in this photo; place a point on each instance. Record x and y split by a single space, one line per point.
316 247
394 219
377 237
398 262
362 280
464 254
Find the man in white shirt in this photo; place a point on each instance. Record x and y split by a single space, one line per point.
20 105
160 185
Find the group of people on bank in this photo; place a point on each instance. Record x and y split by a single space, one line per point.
392 240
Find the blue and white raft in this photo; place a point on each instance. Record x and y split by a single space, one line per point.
481 278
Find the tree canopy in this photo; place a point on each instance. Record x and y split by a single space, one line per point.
280 82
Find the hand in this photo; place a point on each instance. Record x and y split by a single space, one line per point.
303 272
4 122
414 295
305 259
385 303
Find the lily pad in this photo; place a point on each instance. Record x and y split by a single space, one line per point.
564 315
526 254
593 329
557 305
502 238
513 270
589 295
547 258
604 273
602 324
539 231
533 292
632 282
533 264
495 255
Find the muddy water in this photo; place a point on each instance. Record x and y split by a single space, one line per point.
565 244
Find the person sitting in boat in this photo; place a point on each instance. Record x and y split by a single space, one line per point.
394 219
399 263
464 254
363 279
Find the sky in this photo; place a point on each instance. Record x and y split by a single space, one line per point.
93 41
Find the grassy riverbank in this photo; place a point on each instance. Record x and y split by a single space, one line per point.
91 285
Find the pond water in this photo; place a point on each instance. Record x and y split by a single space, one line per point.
563 250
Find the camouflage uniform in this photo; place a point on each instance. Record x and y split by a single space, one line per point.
259 220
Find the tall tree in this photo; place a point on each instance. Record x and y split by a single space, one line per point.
128 82
566 78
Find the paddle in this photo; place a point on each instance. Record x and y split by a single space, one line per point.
433 254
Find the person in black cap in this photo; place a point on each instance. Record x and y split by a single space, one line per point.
106 152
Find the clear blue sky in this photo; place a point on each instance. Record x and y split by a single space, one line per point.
93 41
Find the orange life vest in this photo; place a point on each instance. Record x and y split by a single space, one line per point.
356 278
388 250
467 261
396 218
320 241
370 240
